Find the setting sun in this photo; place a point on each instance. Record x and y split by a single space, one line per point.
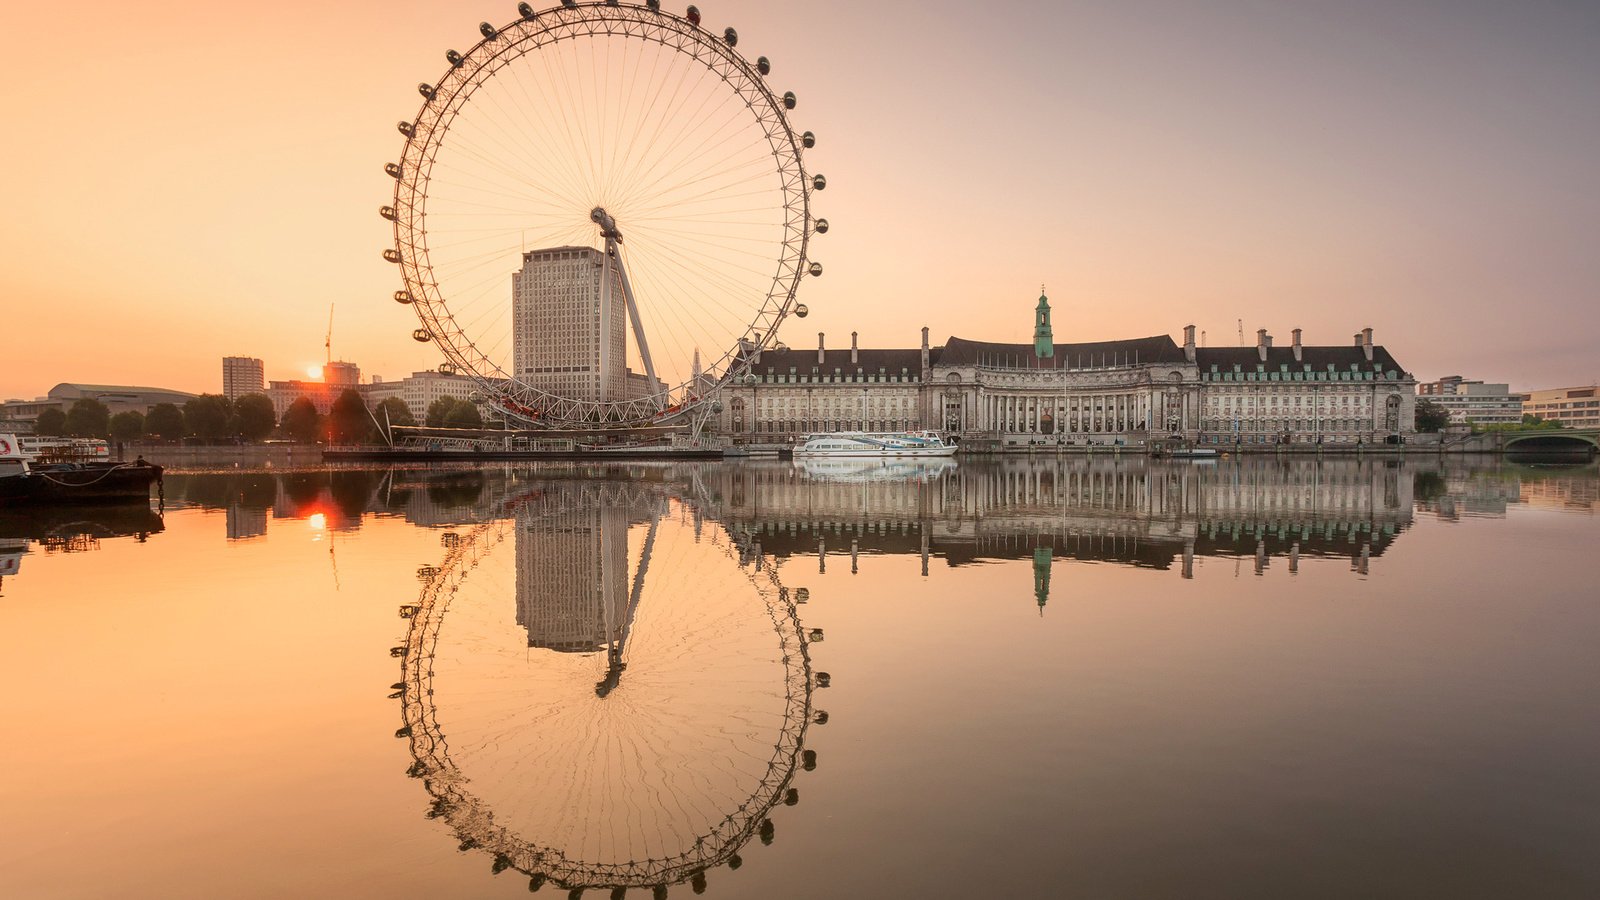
314 373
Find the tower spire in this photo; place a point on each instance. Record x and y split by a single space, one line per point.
1044 345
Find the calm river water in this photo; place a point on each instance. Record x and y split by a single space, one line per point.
1095 678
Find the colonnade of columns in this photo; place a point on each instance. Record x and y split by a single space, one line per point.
1111 412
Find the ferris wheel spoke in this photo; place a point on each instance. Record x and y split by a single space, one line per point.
671 155
557 188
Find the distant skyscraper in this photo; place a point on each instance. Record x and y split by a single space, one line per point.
563 340
242 375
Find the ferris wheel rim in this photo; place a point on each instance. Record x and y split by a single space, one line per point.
514 398
473 819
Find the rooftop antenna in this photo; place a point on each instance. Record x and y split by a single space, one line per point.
327 343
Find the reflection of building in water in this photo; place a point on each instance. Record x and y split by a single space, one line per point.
574 592
1130 510
246 522
1562 492
1041 576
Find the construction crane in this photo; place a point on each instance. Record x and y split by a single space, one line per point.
327 343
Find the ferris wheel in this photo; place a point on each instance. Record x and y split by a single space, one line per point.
601 212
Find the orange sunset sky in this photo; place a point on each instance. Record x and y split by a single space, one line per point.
187 180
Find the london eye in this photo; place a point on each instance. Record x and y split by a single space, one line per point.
601 211
604 690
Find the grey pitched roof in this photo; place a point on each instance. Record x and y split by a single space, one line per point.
1318 358
1158 349
778 362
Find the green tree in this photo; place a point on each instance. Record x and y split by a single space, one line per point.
88 418
208 416
438 411
301 421
253 417
1431 416
52 422
348 421
165 421
464 415
399 412
127 426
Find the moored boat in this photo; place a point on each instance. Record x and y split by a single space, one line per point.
22 482
867 444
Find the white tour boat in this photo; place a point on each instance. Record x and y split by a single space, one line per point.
875 445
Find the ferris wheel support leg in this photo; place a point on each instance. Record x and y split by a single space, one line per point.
638 326
609 259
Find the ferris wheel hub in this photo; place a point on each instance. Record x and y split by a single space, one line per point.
608 225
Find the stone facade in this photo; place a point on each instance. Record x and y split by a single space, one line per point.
1123 392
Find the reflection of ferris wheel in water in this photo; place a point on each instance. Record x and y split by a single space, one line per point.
639 753
657 163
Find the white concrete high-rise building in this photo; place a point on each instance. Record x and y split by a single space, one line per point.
564 340
243 375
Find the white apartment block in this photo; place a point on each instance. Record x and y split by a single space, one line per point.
1473 401
1574 407
243 375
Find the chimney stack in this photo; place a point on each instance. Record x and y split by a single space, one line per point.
1262 343
853 358
1188 342
1297 348
820 350
1366 342
756 356
924 352
1358 339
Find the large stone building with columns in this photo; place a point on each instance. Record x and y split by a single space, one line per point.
1123 392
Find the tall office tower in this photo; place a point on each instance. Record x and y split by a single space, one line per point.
242 375
564 340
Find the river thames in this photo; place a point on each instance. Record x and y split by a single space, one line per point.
1106 677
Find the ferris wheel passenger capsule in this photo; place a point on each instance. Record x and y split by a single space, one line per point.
487 30
802 310
392 170
426 90
569 3
788 100
820 226
407 129
391 255
447 369
653 4
808 140
731 36
819 182
402 296
454 58
763 65
421 336
815 268
526 11
693 15
387 212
